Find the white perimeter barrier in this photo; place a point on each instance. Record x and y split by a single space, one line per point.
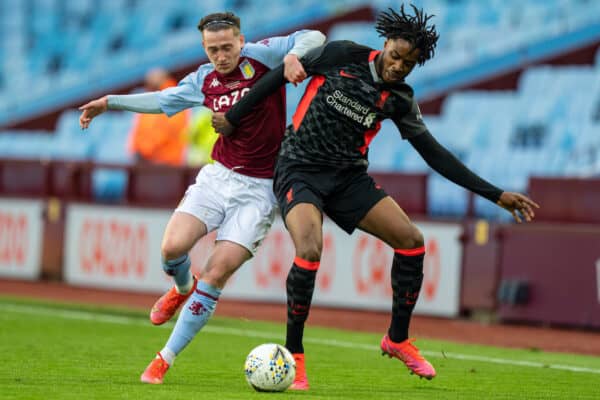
119 248
21 225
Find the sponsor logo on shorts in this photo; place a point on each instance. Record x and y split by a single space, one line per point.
290 195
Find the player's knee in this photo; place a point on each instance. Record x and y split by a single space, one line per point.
310 250
415 238
171 249
410 239
309 246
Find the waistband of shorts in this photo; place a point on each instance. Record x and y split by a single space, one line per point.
333 166
237 175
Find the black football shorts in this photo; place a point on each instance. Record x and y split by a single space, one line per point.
344 194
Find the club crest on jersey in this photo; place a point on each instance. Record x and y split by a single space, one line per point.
214 83
247 69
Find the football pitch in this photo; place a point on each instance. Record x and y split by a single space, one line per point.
59 351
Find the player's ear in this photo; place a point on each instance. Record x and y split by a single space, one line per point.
242 40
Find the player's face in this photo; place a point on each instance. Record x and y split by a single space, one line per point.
397 60
223 48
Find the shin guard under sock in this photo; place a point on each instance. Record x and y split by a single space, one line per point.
194 315
300 285
407 278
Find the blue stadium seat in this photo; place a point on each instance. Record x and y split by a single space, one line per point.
359 32
109 185
445 198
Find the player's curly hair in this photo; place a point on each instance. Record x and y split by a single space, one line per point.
412 28
219 21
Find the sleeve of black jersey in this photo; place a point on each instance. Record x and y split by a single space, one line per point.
329 55
266 85
447 165
411 123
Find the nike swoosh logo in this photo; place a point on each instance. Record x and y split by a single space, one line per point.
347 75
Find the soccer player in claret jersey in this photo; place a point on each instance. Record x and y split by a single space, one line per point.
322 168
233 195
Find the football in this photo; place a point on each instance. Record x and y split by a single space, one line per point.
270 368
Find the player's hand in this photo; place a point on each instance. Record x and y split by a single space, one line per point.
516 204
91 110
293 70
221 125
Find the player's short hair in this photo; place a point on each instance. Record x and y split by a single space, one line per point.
218 21
412 28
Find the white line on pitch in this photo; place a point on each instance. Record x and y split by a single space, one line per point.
114 319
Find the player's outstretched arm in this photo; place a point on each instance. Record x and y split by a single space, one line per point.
517 203
146 103
447 165
91 110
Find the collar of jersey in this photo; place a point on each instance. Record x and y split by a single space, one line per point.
374 74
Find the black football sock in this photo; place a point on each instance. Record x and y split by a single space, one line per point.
300 286
407 278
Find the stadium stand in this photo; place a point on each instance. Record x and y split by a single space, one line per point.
547 126
77 47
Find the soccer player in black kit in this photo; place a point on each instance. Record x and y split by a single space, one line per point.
322 168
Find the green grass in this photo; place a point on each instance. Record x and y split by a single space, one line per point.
52 351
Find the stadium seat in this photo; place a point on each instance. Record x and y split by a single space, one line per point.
109 185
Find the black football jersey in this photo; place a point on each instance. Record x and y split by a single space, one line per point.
343 106
341 112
